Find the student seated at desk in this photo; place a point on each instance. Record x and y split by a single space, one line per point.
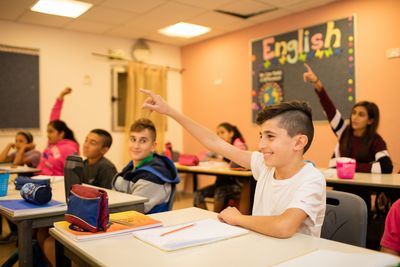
25 152
390 242
358 139
149 174
225 190
61 141
290 194
98 170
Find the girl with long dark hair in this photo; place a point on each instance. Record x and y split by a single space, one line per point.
61 141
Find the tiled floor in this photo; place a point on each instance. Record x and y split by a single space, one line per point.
182 200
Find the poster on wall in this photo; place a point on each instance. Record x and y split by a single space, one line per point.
278 66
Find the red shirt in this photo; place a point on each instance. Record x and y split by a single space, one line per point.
391 236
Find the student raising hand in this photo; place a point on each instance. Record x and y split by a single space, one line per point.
65 92
310 77
155 102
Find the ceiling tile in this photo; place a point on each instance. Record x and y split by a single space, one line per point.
88 26
44 19
282 3
270 15
165 15
127 32
309 4
215 20
107 15
11 9
246 7
136 6
206 4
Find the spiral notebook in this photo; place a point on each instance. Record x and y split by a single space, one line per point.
189 234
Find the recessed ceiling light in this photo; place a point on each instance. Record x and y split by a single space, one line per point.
66 8
185 30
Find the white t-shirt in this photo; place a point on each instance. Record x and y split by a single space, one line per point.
305 190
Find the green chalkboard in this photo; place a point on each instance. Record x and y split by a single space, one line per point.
19 88
278 66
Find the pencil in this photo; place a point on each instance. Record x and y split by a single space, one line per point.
177 229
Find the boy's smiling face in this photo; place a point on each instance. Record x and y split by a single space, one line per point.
275 143
141 144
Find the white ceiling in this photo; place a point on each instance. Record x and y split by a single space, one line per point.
142 18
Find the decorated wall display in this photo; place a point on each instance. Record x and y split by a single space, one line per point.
278 66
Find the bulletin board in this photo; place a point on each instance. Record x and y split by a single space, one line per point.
19 88
278 66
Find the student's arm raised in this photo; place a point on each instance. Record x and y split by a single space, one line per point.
210 140
281 226
310 77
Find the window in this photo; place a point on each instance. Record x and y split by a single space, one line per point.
119 88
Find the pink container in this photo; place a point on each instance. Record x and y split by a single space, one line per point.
345 168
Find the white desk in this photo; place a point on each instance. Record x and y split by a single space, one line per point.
117 202
376 180
252 249
368 182
24 170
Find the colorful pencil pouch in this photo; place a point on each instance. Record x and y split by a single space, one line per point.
87 208
21 180
188 160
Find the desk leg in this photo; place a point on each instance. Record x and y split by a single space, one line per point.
245 201
195 180
25 243
61 259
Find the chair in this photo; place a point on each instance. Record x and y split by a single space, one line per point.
172 197
346 218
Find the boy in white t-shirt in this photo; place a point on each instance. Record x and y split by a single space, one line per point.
290 194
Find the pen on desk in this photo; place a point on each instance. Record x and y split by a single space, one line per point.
177 229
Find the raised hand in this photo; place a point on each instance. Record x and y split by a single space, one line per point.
310 77
65 92
155 102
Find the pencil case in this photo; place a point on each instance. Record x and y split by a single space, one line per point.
20 181
87 208
36 193
188 160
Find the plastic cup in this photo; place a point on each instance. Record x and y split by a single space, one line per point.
4 177
345 168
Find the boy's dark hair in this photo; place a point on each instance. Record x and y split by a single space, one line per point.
106 136
143 124
294 116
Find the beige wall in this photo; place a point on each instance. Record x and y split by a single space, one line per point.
65 58
226 59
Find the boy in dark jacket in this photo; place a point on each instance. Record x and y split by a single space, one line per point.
148 174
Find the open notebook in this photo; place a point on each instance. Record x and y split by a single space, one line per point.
189 234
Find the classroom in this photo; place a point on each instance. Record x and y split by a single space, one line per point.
209 78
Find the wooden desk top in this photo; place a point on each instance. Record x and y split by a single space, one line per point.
214 170
252 249
18 169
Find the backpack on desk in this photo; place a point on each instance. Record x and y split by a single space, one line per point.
87 208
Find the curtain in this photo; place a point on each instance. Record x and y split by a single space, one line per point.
154 78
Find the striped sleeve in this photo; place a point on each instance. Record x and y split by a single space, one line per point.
382 162
334 116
